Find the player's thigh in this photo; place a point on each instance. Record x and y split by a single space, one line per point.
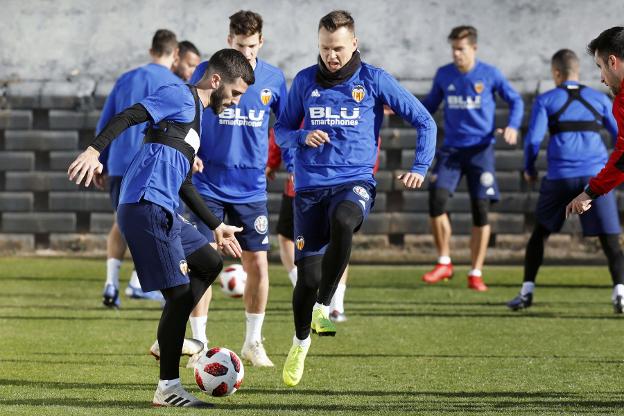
285 222
554 195
311 211
253 217
479 167
359 193
447 170
603 217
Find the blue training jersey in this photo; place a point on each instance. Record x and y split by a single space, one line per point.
130 88
570 154
470 103
157 170
235 144
351 114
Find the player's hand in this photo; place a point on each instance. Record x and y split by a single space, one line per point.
579 205
509 134
99 181
316 138
269 173
226 241
198 165
85 166
411 180
530 178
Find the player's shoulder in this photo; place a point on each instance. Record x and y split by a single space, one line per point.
270 70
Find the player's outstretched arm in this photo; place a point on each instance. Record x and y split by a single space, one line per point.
411 180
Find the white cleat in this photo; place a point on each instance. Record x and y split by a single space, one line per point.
336 316
256 355
176 396
195 357
190 347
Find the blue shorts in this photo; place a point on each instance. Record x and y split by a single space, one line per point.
602 218
314 208
114 188
477 163
159 242
252 216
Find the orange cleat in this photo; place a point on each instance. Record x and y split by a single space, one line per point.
440 272
476 283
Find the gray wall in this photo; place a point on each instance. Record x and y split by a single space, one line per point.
100 39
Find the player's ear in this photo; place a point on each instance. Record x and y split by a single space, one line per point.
260 40
355 42
230 40
215 81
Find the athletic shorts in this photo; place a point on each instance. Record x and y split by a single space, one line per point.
159 242
556 194
477 163
286 222
314 208
252 216
114 188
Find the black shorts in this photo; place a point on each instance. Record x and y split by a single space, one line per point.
286 223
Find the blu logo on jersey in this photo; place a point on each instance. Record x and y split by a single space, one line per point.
324 116
235 117
459 102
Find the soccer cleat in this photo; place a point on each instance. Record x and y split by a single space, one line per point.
137 293
439 273
256 355
337 317
618 304
195 357
110 297
293 367
190 347
321 324
176 396
520 302
476 283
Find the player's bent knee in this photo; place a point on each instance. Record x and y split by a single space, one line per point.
480 210
309 271
205 262
438 198
347 216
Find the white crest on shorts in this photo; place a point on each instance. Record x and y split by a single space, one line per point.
261 224
486 179
192 138
361 192
183 267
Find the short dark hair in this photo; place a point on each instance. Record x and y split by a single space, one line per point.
230 64
164 42
566 62
463 32
186 46
246 23
609 42
337 19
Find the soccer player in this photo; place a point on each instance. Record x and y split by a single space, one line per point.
186 61
160 172
234 152
467 86
130 88
342 101
574 115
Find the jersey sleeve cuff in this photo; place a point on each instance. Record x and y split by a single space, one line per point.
590 192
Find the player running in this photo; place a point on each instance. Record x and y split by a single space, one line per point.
573 114
341 101
171 255
467 86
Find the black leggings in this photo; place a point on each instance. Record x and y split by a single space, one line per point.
318 276
204 267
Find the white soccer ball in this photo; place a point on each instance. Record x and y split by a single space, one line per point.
233 279
219 372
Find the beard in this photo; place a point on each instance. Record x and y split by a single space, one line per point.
216 100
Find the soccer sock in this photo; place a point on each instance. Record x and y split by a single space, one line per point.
618 290
302 342
198 327
444 260
304 294
324 308
475 272
112 271
163 384
134 280
292 275
337 302
171 329
534 254
254 322
345 219
527 287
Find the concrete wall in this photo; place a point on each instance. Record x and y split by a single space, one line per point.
100 39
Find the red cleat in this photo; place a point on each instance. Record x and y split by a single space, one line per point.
476 283
440 272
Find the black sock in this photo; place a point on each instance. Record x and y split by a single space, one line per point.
346 218
611 247
304 294
534 254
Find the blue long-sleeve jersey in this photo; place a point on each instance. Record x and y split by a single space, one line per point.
129 89
235 144
351 114
470 103
570 153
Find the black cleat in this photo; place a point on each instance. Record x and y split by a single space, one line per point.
520 302
618 304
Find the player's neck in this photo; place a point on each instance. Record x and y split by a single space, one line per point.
164 60
204 96
466 68
254 63
571 78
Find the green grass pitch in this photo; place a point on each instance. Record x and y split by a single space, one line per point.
406 349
